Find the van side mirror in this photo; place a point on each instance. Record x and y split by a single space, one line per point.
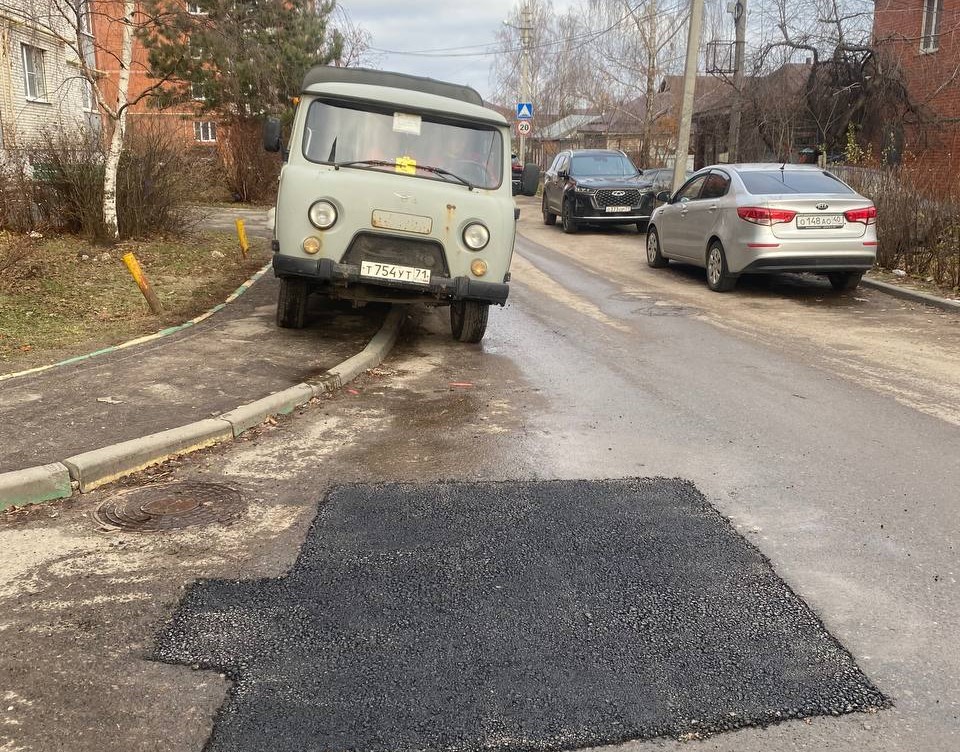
530 179
663 197
272 140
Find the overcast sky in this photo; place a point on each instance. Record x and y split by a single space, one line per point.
416 25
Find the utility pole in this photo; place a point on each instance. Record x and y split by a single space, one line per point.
526 38
689 84
739 10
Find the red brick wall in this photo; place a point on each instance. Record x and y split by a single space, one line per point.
107 33
931 76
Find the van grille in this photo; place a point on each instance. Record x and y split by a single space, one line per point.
389 249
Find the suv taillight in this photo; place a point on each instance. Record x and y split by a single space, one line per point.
760 215
867 216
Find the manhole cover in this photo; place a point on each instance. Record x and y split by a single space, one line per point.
663 310
629 296
171 506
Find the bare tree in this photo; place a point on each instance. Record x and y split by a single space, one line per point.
636 45
71 22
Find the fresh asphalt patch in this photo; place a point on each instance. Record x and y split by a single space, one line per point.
512 616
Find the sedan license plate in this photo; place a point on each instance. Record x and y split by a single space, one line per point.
376 270
612 209
819 221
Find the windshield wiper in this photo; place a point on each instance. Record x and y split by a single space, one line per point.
425 168
373 162
446 174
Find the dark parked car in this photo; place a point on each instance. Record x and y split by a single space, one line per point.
595 187
662 177
516 170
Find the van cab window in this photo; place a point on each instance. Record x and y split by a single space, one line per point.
406 143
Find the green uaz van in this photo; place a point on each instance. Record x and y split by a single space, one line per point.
396 188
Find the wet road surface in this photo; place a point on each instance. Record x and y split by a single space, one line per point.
832 451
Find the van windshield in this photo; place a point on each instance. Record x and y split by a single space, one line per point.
386 139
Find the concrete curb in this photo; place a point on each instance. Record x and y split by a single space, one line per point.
33 484
98 467
913 295
253 414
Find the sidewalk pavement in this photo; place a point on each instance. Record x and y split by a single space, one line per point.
84 423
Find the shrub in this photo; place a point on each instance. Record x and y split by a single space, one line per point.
153 183
250 172
918 219
19 195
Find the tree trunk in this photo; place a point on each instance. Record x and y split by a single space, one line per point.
115 149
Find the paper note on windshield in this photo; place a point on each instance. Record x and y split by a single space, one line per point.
404 123
406 165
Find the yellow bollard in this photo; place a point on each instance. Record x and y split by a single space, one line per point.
242 234
138 276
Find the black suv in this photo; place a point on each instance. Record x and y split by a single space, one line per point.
596 186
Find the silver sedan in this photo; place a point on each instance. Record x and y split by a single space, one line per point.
765 218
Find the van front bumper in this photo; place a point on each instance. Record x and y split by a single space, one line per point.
326 272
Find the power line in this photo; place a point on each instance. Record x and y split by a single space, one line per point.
457 51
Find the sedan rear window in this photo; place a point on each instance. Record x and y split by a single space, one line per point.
760 182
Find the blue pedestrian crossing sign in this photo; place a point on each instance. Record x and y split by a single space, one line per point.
524 110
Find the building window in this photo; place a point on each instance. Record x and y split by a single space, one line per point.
205 131
196 92
195 10
932 16
34 80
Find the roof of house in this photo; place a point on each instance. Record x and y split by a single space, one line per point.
566 127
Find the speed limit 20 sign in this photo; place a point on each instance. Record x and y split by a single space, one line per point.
523 127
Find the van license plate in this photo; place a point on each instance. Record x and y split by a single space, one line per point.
376 270
611 209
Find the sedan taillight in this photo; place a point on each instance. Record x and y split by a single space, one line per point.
867 216
760 215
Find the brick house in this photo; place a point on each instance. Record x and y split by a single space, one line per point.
41 89
183 121
922 39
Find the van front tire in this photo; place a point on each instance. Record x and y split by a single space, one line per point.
468 320
292 303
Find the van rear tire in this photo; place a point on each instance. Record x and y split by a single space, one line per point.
468 320
292 303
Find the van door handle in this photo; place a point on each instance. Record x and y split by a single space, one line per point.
714 208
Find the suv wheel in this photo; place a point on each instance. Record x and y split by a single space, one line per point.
549 218
719 278
567 221
292 303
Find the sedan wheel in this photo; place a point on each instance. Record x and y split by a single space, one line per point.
655 257
845 280
719 278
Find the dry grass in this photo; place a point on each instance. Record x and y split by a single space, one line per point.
54 303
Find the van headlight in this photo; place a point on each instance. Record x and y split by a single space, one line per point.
476 236
322 215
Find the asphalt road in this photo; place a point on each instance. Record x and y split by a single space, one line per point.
824 427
